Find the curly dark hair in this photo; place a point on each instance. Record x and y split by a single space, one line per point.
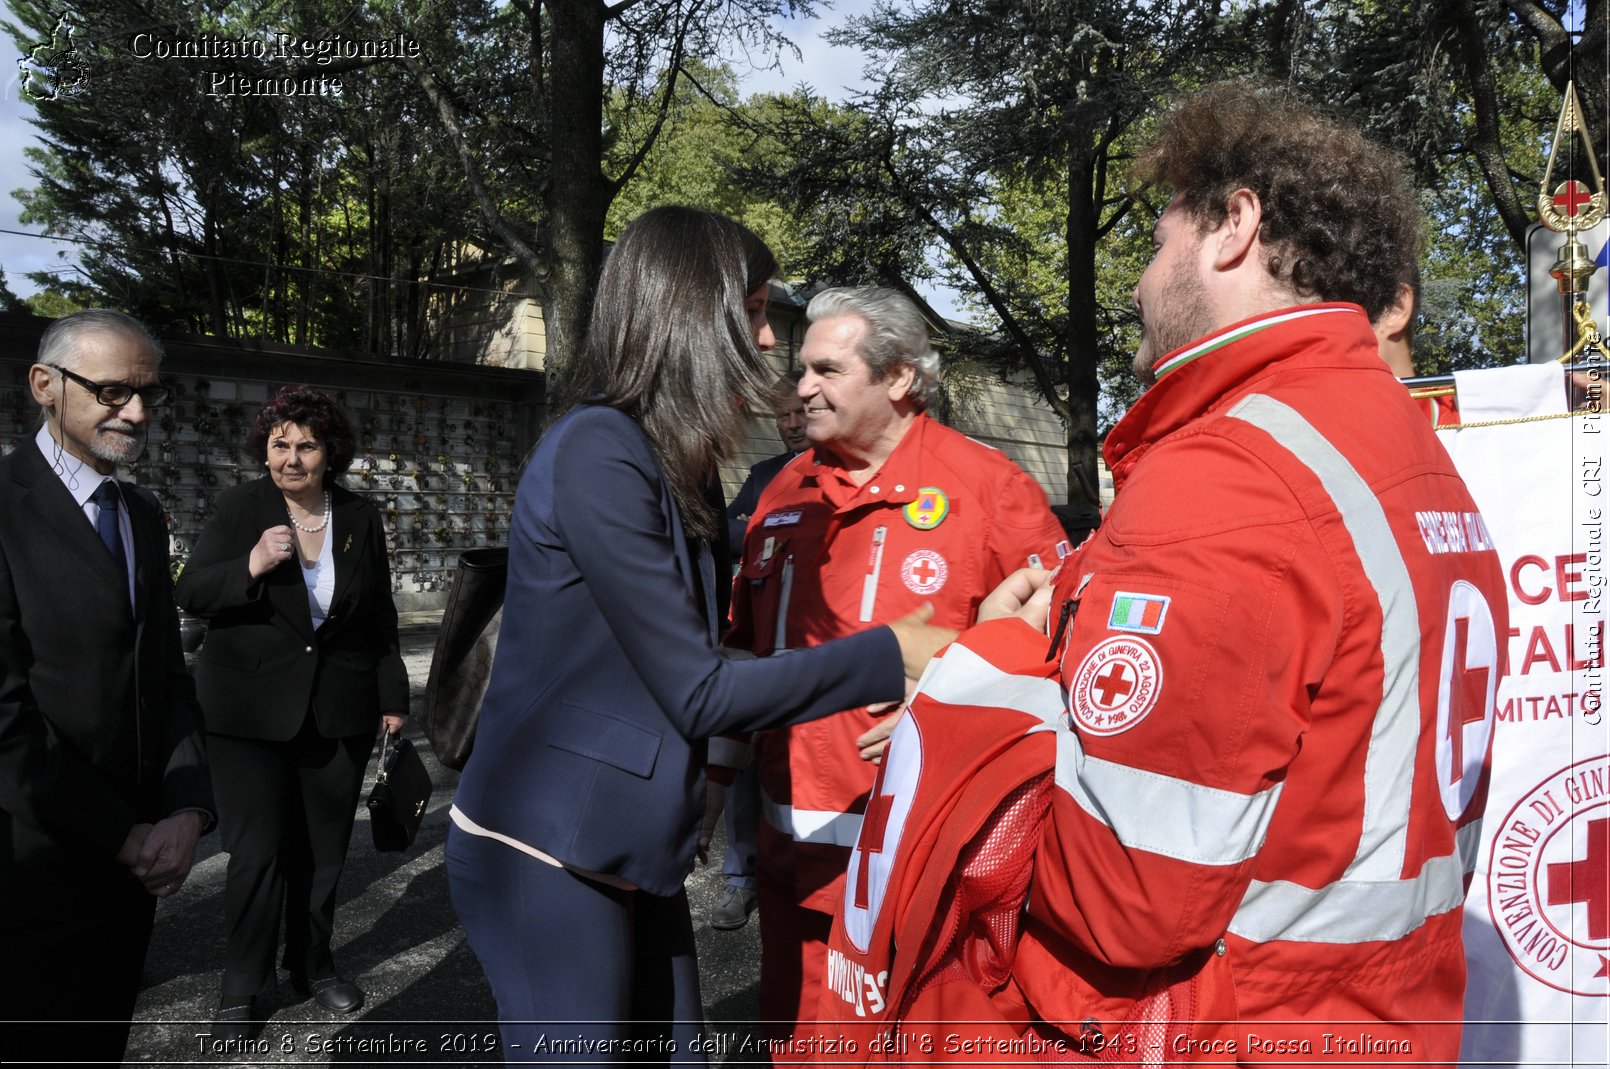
1340 217
315 411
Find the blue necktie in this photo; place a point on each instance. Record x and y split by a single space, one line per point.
106 525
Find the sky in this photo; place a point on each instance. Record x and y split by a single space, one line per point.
831 71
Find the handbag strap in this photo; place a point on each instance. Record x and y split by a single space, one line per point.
385 748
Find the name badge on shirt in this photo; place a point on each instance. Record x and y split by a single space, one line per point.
787 518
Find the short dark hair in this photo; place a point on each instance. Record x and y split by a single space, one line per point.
1340 217
670 345
303 406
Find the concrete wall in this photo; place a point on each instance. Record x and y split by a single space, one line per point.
439 445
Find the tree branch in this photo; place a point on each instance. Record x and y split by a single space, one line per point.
674 72
472 171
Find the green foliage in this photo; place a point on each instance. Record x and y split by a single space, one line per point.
299 218
706 139
9 301
988 157
53 304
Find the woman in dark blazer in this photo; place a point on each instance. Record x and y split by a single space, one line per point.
299 668
576 817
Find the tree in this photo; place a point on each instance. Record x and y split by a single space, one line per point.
994 139
709 135
1457 87
299 217
9 301
598 83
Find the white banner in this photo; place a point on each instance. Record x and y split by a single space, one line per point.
1537 921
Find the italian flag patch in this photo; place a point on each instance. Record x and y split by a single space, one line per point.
1141 613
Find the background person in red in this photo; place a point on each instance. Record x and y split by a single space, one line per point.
1279 652
888 511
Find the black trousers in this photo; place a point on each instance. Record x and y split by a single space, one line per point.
71 979
285 812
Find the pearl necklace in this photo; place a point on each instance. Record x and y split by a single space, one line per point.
311 530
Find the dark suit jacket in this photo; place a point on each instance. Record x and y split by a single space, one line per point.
608 676
262 667
743 506
98 722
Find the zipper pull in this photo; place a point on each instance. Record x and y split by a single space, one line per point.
1064 617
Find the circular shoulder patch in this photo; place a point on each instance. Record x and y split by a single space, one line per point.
1115 686
924 572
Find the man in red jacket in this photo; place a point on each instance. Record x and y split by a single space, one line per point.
1272 672
1280 651
889 510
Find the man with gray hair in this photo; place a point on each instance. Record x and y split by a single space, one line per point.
103 784
888 510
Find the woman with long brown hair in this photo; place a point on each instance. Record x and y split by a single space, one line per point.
576 818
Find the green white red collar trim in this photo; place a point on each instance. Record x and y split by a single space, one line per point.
1179 358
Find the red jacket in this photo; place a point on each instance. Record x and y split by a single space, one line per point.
1280 666
920 960
943 521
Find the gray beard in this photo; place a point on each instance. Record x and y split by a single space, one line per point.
119 450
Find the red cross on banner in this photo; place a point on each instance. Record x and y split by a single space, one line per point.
1587 880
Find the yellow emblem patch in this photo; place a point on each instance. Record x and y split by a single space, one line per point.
929 509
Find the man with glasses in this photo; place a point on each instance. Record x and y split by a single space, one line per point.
103 782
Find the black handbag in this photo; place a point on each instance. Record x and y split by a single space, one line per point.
461 666
398 799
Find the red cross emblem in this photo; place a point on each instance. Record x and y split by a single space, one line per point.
1467 697
1114 685
1587 880
924 572
1571 197
874 825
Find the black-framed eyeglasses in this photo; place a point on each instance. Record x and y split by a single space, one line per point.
117 394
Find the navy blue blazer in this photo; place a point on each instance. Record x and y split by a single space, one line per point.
608 675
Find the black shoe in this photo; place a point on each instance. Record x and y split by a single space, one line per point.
236 1020
732 912
331 992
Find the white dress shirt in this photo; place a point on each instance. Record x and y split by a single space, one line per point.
82 481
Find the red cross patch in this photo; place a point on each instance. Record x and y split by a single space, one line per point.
1115 686
924 572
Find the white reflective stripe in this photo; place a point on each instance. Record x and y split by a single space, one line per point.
1356 911
1205 826
779 637
1469 839
1395 732
962 677
812 825
1163 815
869 585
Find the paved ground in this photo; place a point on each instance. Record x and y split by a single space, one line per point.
397 937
